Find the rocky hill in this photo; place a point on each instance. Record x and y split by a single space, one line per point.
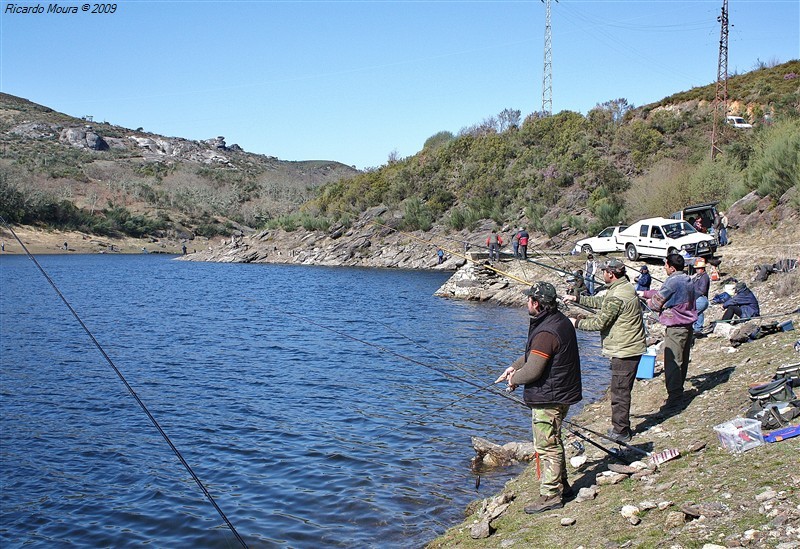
50 160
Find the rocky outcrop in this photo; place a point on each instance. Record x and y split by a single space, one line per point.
83 138
753 211
365 243
35 130
376 240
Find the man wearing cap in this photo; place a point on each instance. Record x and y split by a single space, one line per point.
550 371
702 283
621 326
674 302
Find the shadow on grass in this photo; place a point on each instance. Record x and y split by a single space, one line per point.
700 383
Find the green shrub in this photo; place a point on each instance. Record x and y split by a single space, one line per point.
463 218
554 227
775 164
417 216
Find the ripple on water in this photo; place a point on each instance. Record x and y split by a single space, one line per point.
305 437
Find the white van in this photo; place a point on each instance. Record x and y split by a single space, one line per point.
737 122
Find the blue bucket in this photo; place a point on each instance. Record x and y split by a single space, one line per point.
647 367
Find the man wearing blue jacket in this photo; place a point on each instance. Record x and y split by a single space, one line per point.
743 304
675 303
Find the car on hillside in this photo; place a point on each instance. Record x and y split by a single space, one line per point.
737 122
604 242
659 236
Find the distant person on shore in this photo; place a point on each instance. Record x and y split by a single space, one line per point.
675 303
2 246
66 247
494 241
515 244
702 282
622 333
743 303
644 279
523 243
550 371
723 229
440 255
183 248
589 271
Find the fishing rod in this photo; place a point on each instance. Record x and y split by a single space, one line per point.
772 315
620 260
402 356
505 394
657 457
130 389
471 260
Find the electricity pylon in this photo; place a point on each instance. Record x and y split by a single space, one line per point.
547 78
721 99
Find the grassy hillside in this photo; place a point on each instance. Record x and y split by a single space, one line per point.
589 171
67 172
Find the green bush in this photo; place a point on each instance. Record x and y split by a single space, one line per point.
775 164
417 216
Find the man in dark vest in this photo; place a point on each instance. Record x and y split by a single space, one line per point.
550 371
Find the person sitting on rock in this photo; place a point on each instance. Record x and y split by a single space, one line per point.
743 304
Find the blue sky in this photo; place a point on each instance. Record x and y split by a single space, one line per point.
353 81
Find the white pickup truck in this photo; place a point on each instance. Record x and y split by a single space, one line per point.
658 237
604 242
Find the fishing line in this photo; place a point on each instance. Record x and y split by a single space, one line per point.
130 388
505 394
567 240
399 355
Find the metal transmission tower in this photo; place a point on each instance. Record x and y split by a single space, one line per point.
721 99
547 78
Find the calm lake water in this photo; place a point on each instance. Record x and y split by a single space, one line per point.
304 437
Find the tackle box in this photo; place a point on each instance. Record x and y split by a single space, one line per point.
740 434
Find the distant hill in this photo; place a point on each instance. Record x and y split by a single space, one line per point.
84 174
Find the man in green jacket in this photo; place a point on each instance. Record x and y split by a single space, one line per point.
621 326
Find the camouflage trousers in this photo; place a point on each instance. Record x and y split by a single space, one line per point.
546 422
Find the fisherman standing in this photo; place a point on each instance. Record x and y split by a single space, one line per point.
550 371
675 302
621 326
494 241
701 282
515 244
588 273
523 243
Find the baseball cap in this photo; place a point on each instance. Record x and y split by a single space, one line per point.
543 292
613 265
